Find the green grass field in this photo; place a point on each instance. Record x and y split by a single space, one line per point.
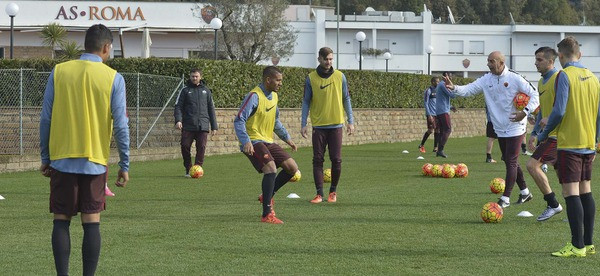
388 220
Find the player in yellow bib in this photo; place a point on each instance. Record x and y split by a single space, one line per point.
257 119
575 117
544 153
326 97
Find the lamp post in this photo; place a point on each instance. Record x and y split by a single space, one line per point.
429 50
387 56
360 36
216 24
11 9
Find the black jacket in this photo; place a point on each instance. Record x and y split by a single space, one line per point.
195 109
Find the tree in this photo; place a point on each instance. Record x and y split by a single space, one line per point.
53 34
255 30
70 50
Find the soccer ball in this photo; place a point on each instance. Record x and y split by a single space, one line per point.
296 176
497 185
196 171
598 148
327 175
461 170
521 100
427 169
492 213
448 171
436 170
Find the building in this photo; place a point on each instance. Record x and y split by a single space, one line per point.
182 30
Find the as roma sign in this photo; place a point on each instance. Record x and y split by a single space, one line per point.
100 13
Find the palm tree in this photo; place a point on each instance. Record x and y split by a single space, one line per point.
53 34
70 50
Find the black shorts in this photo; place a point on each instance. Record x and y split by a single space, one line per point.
265 153
71 193
573 167
546 152
443 122
489 131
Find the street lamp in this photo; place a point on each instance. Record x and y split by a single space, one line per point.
387 56
429 50
216 24
360 36
11 9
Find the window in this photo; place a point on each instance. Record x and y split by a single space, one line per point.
383 44
365 45
117 53
1 53
455 47
476 47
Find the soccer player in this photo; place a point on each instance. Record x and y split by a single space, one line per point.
545 151
491 135
430 103
499 88
442 110
195 117
84 102
326 96
255 123
575 117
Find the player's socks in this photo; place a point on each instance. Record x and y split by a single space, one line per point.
525 191
589 213
575 215
268 183
282 178
488 156
425 136
61 245
505 198
90 249
551 200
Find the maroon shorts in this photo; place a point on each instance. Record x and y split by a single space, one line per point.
265 153
71 193
573 167
546 152
431 123
489 130
443 122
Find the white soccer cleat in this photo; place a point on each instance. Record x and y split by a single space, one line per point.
545 168
550 212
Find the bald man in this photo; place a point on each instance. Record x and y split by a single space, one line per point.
499 87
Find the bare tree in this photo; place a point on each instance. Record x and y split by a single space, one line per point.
254 30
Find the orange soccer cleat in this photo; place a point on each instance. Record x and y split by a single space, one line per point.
317 199
332 197
271 218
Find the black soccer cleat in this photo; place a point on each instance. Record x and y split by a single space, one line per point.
441 154
524 198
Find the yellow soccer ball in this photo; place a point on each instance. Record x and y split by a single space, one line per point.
196 171
297 176
497 185
327 175
492 212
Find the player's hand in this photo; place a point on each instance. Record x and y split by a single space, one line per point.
448 82
292 145
543 122
304 132
350 129
179 125
249 148
213 132
531 120
122 178
531 143
517 116
45 170
453 109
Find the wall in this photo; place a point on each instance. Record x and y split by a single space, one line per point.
372 126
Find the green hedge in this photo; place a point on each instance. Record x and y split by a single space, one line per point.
231 80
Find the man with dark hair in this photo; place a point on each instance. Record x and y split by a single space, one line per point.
442 111
254 124
499 88
326 97
84 102
430 103
195 117
575 117
545 152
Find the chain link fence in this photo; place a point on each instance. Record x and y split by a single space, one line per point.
150 102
